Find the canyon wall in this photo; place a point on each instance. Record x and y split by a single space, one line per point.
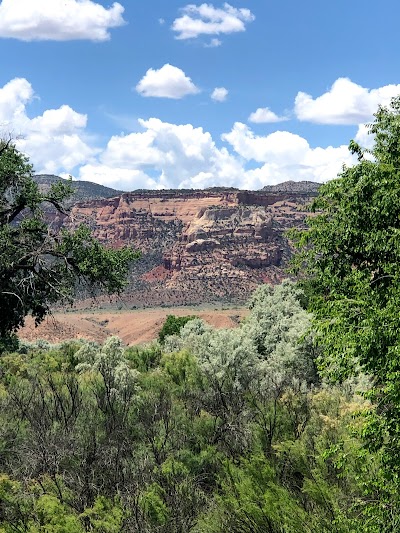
197 246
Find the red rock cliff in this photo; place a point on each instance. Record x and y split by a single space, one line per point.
196 245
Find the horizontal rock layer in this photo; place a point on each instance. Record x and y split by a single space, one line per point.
197 246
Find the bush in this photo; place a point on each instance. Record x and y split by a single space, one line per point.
173 325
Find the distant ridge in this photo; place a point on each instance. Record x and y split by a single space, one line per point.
83 190
305 187
87 190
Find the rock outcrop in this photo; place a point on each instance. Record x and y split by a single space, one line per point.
197 246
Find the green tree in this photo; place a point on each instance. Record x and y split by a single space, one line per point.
350 256
172 326
40 265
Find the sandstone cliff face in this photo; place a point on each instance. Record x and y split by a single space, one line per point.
197 246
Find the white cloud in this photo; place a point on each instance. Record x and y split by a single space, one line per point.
219 94
205 19
285 156
52 154
166 82
135 150
278 146
54 141
182 155
214 43
344 103
13 98
61 121
265 115
58 20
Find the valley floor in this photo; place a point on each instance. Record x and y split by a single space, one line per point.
132 326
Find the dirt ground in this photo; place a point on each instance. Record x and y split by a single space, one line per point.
133 327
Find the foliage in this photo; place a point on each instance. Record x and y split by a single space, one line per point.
144 358
314 481
280 328
351 255
232 431
40 265
172 326
9 343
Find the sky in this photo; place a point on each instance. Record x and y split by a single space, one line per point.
167 94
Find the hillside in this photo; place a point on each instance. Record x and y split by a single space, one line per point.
83 190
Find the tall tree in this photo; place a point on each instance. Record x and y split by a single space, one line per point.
350 256
38 264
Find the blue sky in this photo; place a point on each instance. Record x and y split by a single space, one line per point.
164 93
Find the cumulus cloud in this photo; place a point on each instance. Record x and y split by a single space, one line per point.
54 141
346 102
265 115
182 155
285 156
13 98
58 20
61 121
52 154
205 19
219 94
134 150
278 146
166 82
